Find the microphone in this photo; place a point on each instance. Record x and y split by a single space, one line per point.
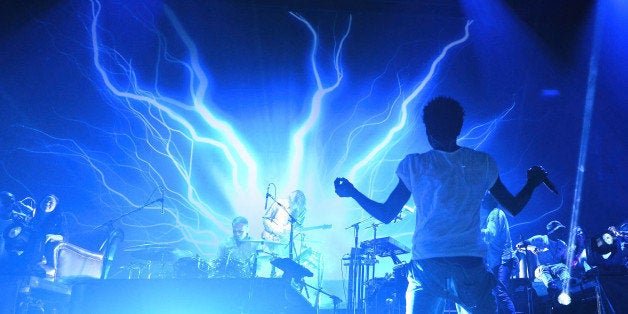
550 185
398 217
405 211
161 189
267 195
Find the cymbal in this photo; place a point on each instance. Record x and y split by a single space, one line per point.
262 241
147 246
263 255
291 268
182 253
157 252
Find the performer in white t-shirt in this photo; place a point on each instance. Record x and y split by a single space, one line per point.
447 184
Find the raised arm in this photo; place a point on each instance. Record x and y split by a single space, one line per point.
514 204
384 212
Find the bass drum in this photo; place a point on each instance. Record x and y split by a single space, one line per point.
231 268
387 295
191 267
16 236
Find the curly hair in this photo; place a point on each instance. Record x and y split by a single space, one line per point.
297 199
443 117
239 220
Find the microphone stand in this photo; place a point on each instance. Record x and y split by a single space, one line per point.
114 238
356 275
334 298
356 227
292 220
111 221
374 226
291 239
372 260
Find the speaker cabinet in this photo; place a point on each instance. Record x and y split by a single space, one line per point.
260 295
613 291
385 296
523 295
9 292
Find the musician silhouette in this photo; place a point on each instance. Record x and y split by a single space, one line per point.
447 184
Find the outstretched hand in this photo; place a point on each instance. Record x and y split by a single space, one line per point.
526 246
536 175
343 187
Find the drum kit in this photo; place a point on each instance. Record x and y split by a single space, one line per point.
162 261
158 261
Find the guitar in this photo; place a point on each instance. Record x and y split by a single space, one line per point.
267 235
523 247
319 227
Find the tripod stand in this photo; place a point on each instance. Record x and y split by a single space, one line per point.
361 267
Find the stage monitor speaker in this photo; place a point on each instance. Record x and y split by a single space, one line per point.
9 293
385 296
613 291
523 295
261 295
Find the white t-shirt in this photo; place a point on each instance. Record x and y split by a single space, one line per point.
552 252
448 188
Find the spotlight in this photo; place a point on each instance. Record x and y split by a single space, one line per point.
604 250
564 298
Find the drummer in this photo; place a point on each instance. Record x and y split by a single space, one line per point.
236 254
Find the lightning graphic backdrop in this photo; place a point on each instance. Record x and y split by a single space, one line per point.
116 107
